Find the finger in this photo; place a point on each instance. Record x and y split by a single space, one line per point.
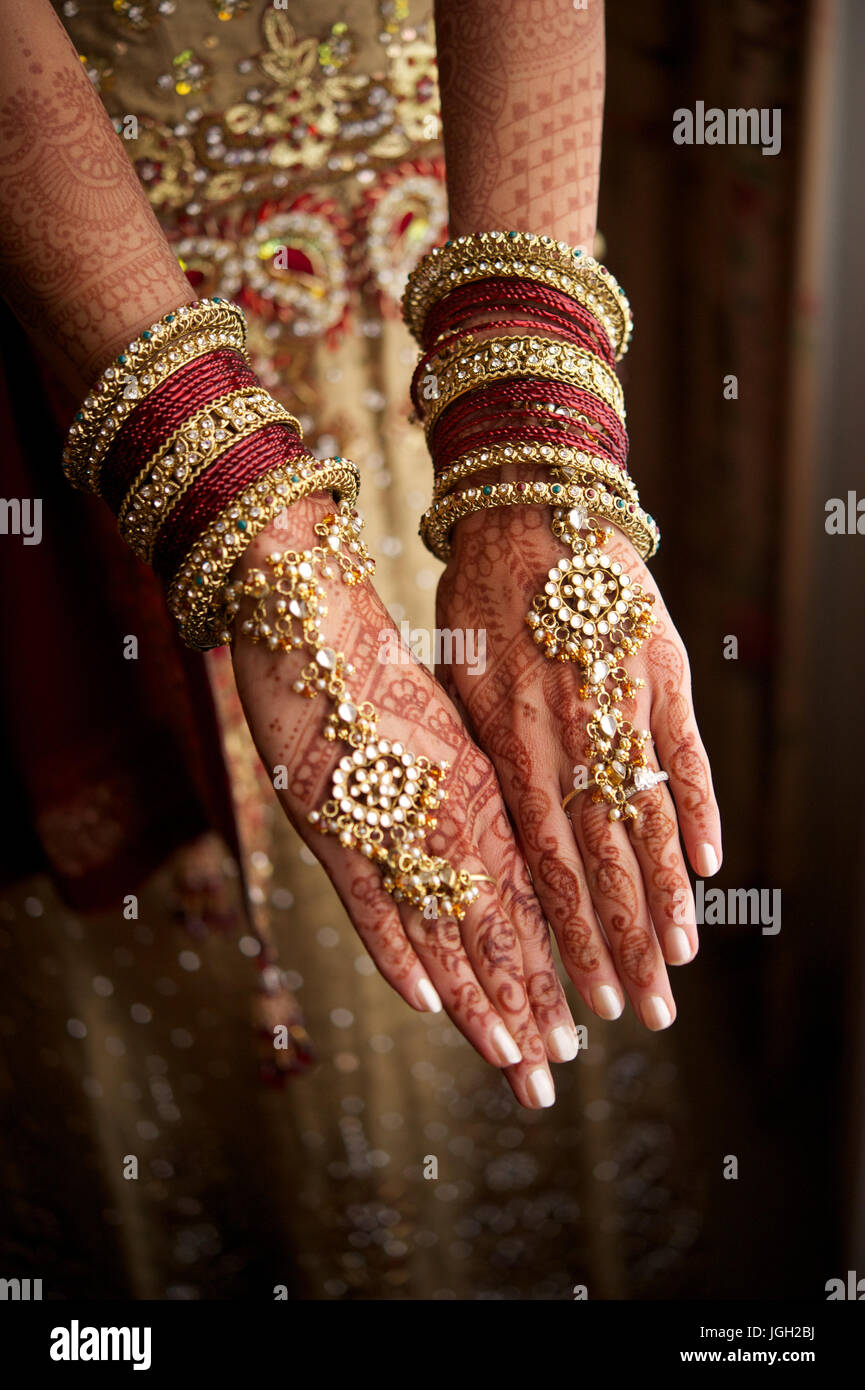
438 943
546 997
681 753
655 838
479 960
616 886
494 947
558 876
374 916
470 815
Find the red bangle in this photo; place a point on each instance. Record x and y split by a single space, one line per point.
464 423
191 387
465 300
214 489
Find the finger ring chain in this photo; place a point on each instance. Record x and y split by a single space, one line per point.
383 798
592 613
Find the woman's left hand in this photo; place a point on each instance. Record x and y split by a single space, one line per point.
619 900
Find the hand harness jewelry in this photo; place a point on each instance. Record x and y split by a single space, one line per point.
591 612
383 797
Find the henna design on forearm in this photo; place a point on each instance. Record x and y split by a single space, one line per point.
522 92
83 260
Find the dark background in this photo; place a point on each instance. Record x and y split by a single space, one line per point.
748 264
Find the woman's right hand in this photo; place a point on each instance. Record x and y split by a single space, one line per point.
493 972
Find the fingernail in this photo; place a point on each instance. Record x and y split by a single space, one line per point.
655 1013
540 1088
707 860
564 1043
606 1002
677 947
505 1045
428 997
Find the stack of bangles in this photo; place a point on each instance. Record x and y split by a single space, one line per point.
195 458
520 335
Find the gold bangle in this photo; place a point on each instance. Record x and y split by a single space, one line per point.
575 464
191 449
193 592
640 528
503 359
137 370
438 522
572 509
523 255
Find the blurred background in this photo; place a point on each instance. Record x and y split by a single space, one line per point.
129 1037
753 265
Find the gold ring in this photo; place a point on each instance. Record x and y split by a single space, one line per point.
575 792
630 791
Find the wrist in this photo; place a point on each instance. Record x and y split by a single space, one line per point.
292 529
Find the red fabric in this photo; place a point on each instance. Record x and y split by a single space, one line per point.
111 763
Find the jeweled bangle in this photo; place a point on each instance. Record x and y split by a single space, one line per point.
195 446
235 472
497 254
640 528
133 373
497 359
438 522
163 410
588 466
193 595
162 367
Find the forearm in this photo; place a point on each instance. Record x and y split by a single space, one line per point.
83 262
522 96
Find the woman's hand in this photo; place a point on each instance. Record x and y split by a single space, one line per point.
619 900
493 971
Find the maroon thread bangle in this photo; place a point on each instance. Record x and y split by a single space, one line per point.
214 489
154 419
526 395
447 436
566 433
467 299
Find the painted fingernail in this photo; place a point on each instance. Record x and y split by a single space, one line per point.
505 1046
564 1043
655 1013
677 947
707 860
540 1088
428 997
606 1002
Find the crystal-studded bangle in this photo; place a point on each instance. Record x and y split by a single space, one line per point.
438 522
188 331
507 359
580 464
501 254
193 594
187 452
